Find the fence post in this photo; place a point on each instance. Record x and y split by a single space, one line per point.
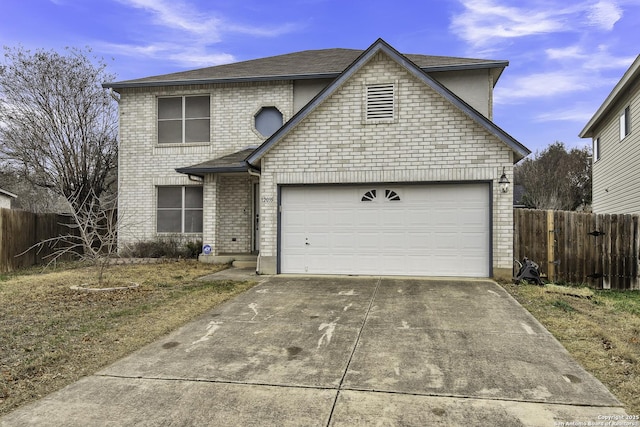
551 245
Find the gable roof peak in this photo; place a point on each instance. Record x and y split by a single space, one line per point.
519 150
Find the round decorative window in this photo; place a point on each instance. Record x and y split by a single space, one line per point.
267 121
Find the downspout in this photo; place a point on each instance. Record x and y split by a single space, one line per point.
113 95
256 173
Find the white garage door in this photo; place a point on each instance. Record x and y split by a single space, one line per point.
435 230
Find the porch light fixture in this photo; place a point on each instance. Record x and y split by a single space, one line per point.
504 181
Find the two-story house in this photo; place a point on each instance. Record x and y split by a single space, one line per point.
333 161
616 147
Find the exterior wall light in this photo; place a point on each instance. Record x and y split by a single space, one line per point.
504 181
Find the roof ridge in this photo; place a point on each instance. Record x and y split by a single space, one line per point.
310 63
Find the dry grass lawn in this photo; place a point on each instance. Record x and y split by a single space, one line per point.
601 330
50 335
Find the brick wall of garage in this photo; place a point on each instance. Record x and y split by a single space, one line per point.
430 141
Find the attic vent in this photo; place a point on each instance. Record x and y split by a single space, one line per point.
380 102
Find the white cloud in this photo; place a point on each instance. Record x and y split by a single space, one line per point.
541 85
575 114
179 16
485 22
182 16
604 14
182 33
597 59
568 52
185 57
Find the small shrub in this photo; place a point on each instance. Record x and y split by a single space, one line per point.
163 247
193 249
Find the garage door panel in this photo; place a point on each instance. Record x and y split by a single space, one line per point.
367 241
431 230
420 241
394 242
367 216
342 217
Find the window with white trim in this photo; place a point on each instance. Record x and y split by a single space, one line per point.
184 119
596 149
625 123
380 102
179 210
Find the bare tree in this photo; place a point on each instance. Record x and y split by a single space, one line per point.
58 126
556 178
30 197
92 235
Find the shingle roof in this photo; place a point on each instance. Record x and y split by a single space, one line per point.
325 63
233 162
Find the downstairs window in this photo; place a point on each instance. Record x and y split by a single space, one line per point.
179 210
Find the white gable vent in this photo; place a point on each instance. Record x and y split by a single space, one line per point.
380 102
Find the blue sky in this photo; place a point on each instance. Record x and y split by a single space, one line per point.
565 56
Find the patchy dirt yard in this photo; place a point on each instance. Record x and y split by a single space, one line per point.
601 330
51 335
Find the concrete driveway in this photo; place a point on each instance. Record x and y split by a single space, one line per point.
342 351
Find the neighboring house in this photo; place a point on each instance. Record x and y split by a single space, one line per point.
328 161
615 132
6 198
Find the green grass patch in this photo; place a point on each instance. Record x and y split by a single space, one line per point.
627 301
563 305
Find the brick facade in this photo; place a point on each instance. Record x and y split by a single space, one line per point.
429 141
144 164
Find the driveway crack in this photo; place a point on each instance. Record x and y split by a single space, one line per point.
355 346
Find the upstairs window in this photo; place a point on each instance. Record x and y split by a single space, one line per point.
179 210
380 102
625 123
596 149
267 121
184 119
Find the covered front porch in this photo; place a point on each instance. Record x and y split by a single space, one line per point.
231 209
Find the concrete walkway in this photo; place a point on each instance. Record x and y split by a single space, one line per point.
342 351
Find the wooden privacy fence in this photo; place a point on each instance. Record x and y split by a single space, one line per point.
19 230
600 250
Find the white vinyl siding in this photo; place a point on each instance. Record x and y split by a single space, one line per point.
616 183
